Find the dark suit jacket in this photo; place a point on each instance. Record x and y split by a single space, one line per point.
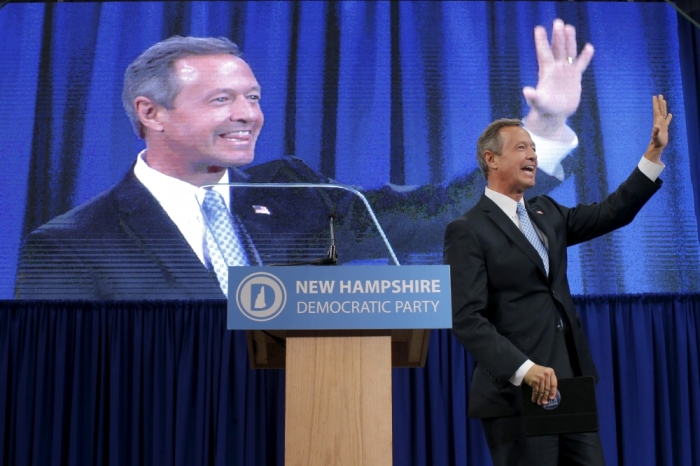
119 245
505 310
122 245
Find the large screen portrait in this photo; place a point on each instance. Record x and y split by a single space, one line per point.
388 98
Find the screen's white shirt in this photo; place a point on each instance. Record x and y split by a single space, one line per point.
508 206
181 201
551 153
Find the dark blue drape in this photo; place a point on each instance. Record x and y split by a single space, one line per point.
133 384
166 383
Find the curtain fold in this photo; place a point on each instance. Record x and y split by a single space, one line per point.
166 383
133 383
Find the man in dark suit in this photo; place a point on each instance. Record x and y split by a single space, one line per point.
195 102
512 308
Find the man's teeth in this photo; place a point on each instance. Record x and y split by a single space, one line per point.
234 134
529 169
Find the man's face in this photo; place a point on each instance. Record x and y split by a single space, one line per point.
516 166
216 117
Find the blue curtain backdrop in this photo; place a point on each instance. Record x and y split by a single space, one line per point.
368 93
689 40
165 383
135 383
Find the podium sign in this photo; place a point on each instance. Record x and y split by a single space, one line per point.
338 331
334 298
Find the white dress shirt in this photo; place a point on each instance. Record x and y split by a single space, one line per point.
180 201
551 153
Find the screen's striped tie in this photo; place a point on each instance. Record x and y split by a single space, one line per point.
222 239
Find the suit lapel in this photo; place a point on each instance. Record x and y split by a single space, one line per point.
501 220
147 224
248 245
248 214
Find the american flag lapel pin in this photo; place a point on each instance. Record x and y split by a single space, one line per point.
261 209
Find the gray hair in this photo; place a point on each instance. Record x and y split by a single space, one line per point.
491 140
151 74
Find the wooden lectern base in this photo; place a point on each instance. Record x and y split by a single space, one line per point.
338 398
338 392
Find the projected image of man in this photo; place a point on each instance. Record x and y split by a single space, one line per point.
196 104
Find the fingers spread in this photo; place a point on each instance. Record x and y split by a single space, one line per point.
558 40
663 105
570 34
530 94
585 57
544 53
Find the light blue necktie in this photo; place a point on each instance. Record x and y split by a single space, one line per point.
223 244
532 236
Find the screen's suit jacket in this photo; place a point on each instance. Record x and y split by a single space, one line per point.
505 309
119 245
123 245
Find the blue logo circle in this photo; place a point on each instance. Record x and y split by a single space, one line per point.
261 296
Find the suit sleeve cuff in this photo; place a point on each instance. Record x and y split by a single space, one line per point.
519 375
650 169
551 153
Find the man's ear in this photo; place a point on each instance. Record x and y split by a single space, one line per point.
490 159
150 113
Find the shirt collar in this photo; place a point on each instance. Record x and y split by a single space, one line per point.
171 192
505 203
179 199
